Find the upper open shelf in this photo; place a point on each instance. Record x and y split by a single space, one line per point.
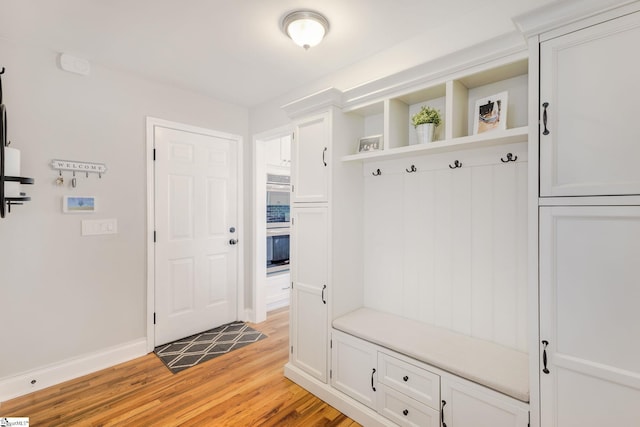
487 139
457 97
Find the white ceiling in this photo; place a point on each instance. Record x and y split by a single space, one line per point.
234 50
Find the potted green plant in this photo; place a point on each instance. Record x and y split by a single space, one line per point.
425 121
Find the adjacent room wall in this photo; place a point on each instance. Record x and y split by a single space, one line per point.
63 295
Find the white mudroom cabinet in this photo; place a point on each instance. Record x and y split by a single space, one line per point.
587 211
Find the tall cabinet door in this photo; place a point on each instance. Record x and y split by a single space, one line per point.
589 127
310 160
309 257
590 316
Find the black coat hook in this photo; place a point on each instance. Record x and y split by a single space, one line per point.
456 165
510 158
376 173
412 170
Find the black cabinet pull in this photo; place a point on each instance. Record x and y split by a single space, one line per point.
323 154
545 343
405 378
372 373
544 118
444 402
322 295
405 412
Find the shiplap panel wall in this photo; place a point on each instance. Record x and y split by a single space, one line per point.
448 246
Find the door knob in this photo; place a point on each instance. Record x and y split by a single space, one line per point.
233 241
232 230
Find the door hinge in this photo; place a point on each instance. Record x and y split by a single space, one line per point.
291 349
154 236
291 285
154 154
292 221
154 317
330 374
293 188
330 343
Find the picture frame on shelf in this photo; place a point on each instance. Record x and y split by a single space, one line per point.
370 143
490 113
78 204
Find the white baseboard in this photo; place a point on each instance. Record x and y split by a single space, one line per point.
40 378
343 403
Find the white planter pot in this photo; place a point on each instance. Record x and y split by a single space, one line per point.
424 133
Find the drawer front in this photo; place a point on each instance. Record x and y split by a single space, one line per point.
415 382
405 411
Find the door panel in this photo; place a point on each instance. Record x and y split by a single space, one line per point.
591 147
310 165
589 318
309 322
195 207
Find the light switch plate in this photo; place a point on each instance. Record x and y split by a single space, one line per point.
94 227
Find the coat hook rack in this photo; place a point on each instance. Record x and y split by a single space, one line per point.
510 158
412 169
376 173
74 166
456 165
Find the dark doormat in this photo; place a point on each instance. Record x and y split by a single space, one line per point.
187 352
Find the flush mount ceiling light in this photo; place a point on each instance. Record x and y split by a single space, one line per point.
305 28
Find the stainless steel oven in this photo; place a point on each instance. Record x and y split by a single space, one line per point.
277 250
278 199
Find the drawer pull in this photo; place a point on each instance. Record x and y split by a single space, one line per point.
405 378
374 371
405 412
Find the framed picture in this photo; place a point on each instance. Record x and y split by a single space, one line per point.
78 204
490 113
370 143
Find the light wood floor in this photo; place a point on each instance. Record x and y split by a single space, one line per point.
243 388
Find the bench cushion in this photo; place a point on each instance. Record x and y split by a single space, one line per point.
500 368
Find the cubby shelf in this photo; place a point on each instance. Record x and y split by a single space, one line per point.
488 139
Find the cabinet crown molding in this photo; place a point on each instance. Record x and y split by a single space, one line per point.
329 97
557 14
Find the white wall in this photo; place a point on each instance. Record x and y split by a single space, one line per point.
63 295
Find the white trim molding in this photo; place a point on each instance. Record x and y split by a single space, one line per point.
47 376
554 15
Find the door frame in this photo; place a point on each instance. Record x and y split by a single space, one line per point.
258 311
151 123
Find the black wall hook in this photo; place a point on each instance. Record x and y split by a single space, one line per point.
412 170
456 165
376 173
510 158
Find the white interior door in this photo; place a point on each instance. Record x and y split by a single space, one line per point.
196 226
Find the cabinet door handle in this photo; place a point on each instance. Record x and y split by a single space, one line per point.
322 295
545 343
405 412
372 373
323 154
544 118
444 402
405 378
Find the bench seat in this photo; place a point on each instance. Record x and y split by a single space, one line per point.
500 368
